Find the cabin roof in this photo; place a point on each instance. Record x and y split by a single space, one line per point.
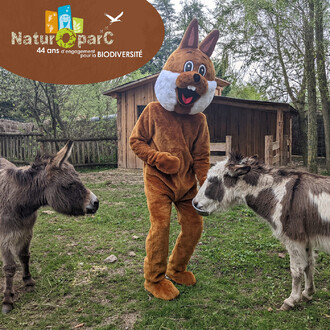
224 100
136 83
254 104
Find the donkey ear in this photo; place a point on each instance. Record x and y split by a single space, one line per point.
239 170
63 154
190 38
208 44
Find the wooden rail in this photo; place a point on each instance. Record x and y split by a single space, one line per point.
216 148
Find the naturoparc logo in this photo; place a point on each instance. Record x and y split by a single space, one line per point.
62 27
79 42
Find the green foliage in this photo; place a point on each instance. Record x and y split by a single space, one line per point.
167 12
241 280
192 9
60 110
245 91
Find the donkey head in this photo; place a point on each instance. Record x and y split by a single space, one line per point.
64 191
228 182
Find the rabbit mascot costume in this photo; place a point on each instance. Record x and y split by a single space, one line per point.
172 138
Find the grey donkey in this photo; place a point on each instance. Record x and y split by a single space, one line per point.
50 180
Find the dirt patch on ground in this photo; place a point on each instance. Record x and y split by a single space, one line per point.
115 176
126 321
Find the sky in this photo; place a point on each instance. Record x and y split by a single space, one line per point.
207 3
177 4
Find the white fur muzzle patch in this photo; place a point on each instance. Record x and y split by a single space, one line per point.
204 101
165 89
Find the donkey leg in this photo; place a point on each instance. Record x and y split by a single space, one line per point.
9 270
309 274
24 257
298 263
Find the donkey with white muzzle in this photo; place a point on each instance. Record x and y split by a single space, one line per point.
296 205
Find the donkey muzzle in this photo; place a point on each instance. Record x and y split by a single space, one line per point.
199 210
93 205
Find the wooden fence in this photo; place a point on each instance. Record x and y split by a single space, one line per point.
275 154
85 152
216 147
22 149
19 148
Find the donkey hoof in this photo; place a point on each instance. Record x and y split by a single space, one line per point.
7 308
285 307
306 297
29 288
29 284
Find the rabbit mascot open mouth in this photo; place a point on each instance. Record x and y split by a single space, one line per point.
172 138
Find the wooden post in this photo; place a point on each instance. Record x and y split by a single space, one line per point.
78 146
228 144
286 150
279 135
290 140
83 153
269 150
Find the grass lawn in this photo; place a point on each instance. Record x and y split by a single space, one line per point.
242 271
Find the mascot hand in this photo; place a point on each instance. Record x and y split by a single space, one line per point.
167 163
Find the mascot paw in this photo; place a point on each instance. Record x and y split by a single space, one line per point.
167 163
185 278
164 289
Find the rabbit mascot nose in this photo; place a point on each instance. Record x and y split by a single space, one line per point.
172 138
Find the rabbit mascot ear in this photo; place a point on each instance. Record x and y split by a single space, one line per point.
186 84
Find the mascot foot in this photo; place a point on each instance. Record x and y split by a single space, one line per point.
164 289
185 278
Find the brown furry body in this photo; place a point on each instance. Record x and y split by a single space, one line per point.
172 138
186 138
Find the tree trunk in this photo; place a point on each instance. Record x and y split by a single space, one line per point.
311 89
321 75
303 134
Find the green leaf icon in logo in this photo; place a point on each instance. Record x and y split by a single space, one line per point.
78 25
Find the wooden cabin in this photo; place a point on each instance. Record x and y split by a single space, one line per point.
250 127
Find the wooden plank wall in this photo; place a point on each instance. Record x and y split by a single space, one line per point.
127 117
247 127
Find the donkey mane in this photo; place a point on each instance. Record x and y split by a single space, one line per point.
24 176
235 157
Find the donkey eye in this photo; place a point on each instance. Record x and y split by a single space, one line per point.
202 70
188 66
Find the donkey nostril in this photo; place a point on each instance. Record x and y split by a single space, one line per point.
195 204
96 204
197 77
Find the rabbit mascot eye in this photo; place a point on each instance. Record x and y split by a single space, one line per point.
172 138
